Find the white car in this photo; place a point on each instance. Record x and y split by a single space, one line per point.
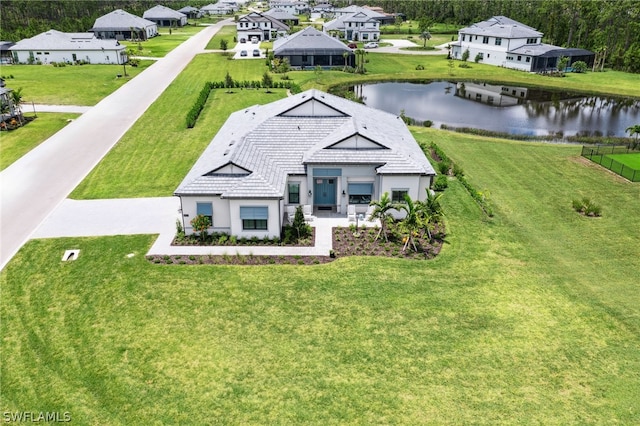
371 45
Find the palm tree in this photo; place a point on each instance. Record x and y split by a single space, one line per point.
411 222
425 35
345 55
360 54
634 130
381 211
430 210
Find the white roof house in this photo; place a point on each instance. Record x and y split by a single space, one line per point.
501 41
165 17
310 48
191 12
312 149
121 25
55 46
220 8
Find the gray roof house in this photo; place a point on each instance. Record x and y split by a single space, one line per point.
501 41
311 48
121 25
191 12
311 149
220 8
165 17
260 25
362 25
55 46
283 16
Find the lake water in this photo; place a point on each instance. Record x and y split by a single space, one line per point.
502 108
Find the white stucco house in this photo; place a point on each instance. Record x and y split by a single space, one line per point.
293 7
55 46
501 41
260 25
361 25
165 17
312 149
220 8
122 25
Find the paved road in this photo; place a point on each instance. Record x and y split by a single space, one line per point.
35 184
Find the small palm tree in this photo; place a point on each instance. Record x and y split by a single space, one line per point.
634 130
430 211
381 211
426 36
411 222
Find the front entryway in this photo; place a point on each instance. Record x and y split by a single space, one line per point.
324 192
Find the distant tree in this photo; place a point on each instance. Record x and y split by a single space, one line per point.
224 44
579 66
302 228
345 55
425 35
563 61
360 60
424 24
228 82
634 130
465 55
398 22
267 81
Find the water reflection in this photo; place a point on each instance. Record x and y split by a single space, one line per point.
503 108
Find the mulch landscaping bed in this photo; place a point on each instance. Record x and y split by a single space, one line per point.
346 242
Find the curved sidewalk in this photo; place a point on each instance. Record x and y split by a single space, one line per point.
35 184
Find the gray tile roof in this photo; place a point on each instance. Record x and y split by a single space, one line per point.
280 15
503 27
259 17
162 12
308 40
119 19
272 144
56 40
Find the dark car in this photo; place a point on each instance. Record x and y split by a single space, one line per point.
243 40
256 52
352 46
243 53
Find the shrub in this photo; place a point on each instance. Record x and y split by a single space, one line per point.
443 166
441 183
200 224
419 67
427 123
587 207
579 66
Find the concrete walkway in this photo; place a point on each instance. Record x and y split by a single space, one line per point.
399 46
35 184
87 218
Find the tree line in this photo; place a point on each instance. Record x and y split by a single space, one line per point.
608 27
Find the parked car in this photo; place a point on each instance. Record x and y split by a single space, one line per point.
243 40
352 46
254 40
371 45
256 52
243 53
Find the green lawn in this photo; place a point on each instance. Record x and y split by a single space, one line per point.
531 316
227 32
164 43
16 143
71 85
629 160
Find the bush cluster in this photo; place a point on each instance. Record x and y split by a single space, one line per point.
586 207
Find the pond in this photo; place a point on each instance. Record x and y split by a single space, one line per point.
501 108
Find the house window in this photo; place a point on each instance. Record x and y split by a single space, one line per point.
478 96
360 193
490 100
485 40
294 193
532 40
206 210
254 217
464 37
528 59
498 41
397 195
519 58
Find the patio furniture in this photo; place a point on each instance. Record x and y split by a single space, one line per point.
306 209
351 213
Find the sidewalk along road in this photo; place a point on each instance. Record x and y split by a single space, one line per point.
33 186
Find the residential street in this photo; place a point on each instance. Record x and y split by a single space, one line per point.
34 185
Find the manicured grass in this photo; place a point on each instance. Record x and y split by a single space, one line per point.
533 314
16 143
630 160
71 85
164 43
227 32
140 165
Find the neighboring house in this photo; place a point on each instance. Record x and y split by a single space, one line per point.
507 43
121 25
220 8
283 16
5 54
191 12
322 10
312 149
311 48
165 17
259 25
55 46
293 7
359 26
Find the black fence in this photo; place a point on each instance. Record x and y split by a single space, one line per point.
599 154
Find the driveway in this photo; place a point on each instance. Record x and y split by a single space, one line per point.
39 181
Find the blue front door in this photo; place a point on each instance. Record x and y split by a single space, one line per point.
324 191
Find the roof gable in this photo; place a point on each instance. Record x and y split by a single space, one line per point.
357 142
229 169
